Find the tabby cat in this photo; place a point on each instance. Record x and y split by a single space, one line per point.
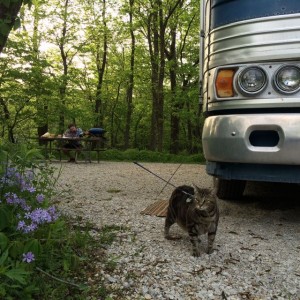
196 211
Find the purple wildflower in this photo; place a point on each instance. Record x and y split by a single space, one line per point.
6 181
10 172
26 229
40 216
28 257
29 175
31 189
21 225
53 213
11 198
40 198
27 215
25 206
29 228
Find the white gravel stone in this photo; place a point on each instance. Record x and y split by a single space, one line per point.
257 247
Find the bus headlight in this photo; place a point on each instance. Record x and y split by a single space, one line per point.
252 80
287 79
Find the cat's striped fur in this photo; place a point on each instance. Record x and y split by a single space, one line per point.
197 214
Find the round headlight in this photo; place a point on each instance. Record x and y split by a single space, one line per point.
287 79
252 80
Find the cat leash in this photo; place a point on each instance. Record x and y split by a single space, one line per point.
166 181
169 180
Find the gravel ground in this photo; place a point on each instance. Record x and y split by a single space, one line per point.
257 248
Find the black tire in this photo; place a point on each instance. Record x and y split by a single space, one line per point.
229 189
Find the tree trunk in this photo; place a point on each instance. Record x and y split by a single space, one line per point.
175 105
157 44
101 61
8 15
64 80
131 80
42 108
154 41
160 111
6 117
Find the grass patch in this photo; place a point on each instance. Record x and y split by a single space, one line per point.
114 191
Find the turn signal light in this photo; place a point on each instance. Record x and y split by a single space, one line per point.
224 83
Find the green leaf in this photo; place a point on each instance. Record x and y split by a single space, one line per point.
75 262
16 248
34 246
19 275
4 28
3 257
66 265
4 218
17 23
29 2
2 291
3 241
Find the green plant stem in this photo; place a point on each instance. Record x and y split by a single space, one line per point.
58 279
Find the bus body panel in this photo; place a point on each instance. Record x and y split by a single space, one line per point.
266 39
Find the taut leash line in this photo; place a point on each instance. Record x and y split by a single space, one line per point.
167 182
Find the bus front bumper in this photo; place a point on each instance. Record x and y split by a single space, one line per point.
252 139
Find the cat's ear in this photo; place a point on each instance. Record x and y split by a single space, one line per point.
196 190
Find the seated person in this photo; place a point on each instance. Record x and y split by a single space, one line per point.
72 132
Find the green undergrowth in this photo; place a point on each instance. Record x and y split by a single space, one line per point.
147 156
43 253
113 154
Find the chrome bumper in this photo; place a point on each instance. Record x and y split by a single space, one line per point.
254 139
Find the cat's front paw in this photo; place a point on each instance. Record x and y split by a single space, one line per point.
209 251
196 253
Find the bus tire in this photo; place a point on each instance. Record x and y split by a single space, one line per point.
229 189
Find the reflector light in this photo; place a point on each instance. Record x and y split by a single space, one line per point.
224 83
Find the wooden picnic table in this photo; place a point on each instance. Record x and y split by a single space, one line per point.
89 145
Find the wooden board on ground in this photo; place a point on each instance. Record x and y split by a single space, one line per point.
158 208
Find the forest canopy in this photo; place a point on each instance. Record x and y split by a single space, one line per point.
129 66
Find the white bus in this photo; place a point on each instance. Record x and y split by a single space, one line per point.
250 92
